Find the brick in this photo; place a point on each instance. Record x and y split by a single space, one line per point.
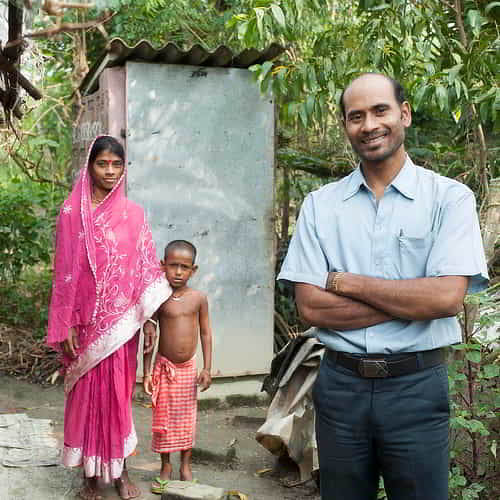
184 490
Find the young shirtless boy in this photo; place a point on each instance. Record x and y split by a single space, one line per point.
173 382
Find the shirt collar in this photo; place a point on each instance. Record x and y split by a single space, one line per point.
405 182
354 184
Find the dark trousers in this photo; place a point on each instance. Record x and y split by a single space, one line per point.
393 427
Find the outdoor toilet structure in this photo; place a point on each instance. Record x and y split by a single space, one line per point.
199 139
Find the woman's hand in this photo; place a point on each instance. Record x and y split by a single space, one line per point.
71 344
149 330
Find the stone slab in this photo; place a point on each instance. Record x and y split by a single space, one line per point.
184 490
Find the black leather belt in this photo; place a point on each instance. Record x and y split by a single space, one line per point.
391 365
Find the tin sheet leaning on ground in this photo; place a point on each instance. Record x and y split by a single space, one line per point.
27 441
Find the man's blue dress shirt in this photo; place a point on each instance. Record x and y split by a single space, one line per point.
424 225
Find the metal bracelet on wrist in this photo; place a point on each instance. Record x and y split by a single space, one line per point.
332 283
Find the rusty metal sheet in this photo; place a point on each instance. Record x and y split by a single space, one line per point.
102 112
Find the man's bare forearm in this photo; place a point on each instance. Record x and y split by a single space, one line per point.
318 307
411 299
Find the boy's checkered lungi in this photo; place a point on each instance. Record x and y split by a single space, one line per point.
174 405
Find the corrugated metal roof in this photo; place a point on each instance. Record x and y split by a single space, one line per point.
118 52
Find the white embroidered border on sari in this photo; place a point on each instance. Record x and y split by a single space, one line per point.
120 333
93 466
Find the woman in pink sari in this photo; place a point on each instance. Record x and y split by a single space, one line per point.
107 284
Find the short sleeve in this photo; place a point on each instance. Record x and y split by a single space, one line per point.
305 261
458 246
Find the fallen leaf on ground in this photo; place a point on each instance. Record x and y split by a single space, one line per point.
262 472
237 494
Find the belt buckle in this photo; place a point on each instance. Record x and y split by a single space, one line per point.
373 368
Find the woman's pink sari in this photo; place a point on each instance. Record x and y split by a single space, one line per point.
107 282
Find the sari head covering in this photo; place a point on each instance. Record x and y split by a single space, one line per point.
107 280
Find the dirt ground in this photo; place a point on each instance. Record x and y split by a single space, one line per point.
226 453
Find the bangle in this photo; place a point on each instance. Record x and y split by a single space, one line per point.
147 375
332 282
152 321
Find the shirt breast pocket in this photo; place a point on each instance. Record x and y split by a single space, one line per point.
413 255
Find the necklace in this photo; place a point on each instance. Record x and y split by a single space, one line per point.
177 298
95 199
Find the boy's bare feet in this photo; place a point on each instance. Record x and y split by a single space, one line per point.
126 488
89 489
159 484
166 471
185 472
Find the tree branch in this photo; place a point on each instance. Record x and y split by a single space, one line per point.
64 27
7 67
32 171
68 27
480 137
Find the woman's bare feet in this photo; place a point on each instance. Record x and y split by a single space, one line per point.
126 488
89 489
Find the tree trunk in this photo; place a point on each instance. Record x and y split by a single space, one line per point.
285 209
478 131
11 96
491 220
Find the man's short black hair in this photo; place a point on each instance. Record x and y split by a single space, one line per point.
399 91
181 244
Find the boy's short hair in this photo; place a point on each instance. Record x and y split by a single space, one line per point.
181 244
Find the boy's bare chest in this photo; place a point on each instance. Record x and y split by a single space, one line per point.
174 309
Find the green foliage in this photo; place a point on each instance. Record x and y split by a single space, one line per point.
447 60
475 403
24 235
24 303
475 406
307 79
185 22
41 146
27 214
284 304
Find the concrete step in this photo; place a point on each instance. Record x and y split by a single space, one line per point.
184 490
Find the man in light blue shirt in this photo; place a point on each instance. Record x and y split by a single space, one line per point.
381 262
